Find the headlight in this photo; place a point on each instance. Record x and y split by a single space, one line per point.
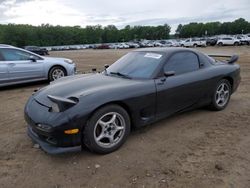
54 107
60 104
44 127
68 61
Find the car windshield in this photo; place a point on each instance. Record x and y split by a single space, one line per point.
136 65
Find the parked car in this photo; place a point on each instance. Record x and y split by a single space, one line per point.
21 66
157 44
102 46
228 41
193 42
133 45
122 46
212 41
37 50
244 39
98 110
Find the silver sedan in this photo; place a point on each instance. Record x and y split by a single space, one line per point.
21 66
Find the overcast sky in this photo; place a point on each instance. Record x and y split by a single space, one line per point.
121 12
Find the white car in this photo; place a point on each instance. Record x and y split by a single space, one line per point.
193 43
158 44
228 41
123 46
21 66
244 39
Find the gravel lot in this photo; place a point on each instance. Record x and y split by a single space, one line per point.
196 149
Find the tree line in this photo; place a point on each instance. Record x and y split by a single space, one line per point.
48 35
239 26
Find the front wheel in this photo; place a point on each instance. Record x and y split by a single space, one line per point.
221 95
56 73
107 129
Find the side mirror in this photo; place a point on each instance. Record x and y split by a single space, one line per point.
106 66
169 73
32 58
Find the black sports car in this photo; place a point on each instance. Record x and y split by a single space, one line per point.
37 50
98 110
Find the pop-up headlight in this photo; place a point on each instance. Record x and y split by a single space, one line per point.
60 104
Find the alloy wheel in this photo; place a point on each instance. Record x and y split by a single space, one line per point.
222 94
57 73
109 130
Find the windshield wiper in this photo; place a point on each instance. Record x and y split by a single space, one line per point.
120 74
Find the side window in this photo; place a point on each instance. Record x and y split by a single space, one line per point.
1 56
182 62
16 55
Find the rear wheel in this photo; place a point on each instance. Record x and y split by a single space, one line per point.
221 95
107 129
195 45
236 44
56 73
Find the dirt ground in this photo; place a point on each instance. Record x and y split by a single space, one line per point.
196 149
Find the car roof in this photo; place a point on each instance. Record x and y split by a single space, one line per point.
166 50
6 46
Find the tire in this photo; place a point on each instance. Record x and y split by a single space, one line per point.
195 45
219 104
236 44
220 44
182 45
53 73
101 134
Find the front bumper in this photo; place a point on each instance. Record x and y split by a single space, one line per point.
48 148
54 140
71 70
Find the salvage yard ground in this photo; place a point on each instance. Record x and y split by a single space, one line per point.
196 149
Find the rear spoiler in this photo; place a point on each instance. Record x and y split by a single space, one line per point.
230 59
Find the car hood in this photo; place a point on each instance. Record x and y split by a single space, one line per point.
80 85
55 59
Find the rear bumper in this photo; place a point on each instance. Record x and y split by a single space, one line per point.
48 148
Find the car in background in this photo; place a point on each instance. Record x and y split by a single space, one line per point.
211 41
228 41
194 42
157 44
98 110
244 39
123 46
102 46
133 45
170 43
37 50
21 66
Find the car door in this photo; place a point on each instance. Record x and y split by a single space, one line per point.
229 41
23 65
188 42
4 77
182 90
